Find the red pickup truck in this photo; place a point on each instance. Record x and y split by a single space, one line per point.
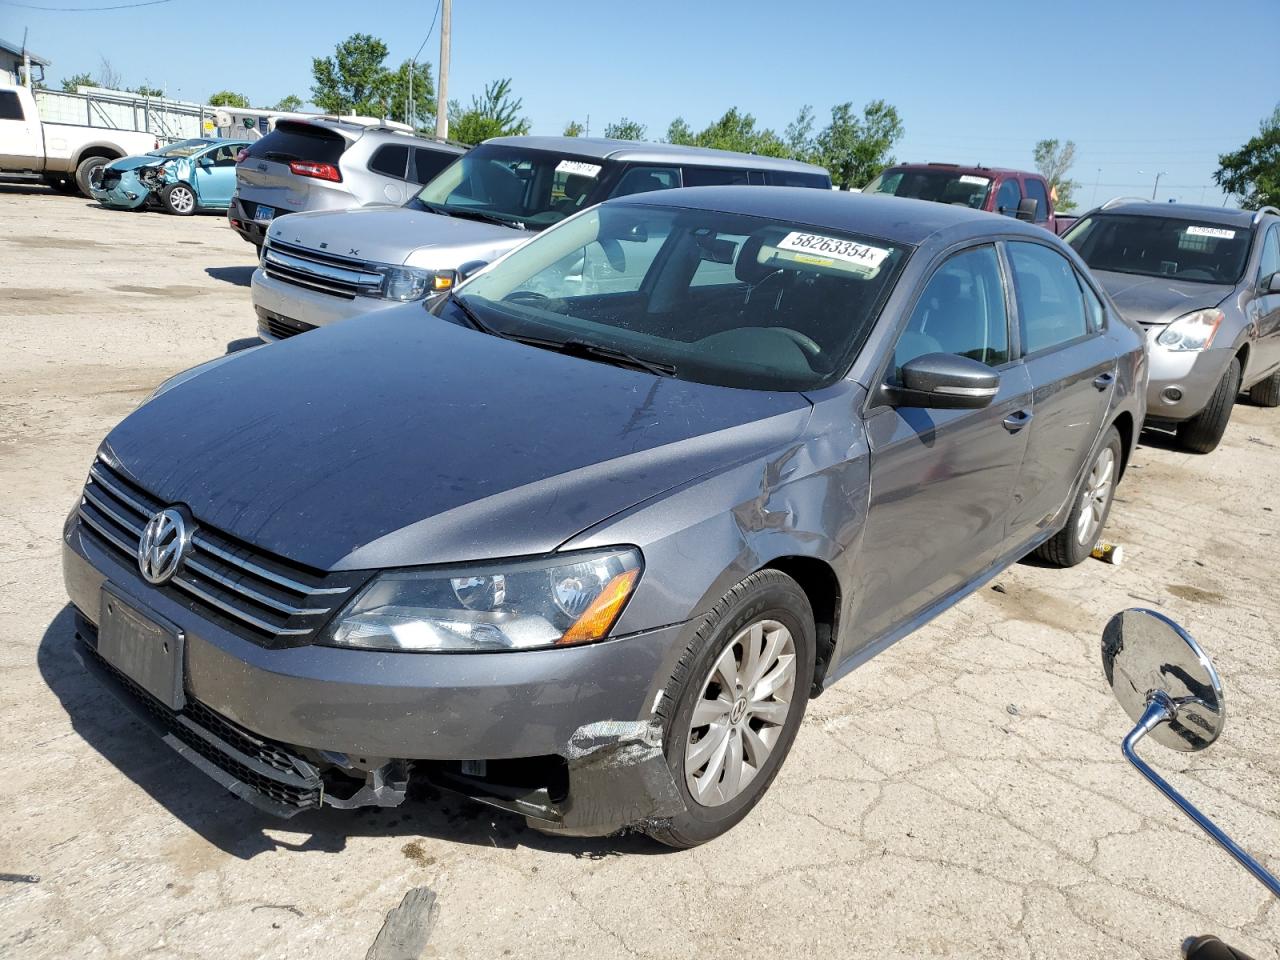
1014 193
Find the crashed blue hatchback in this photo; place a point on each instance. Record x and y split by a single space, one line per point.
182 178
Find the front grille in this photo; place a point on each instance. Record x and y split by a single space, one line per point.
261 597
336 276
281 327
265 767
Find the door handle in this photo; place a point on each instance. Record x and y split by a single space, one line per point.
1017 420
1104 380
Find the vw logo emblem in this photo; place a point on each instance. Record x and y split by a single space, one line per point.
163 546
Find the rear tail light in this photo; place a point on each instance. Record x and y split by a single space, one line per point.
321 171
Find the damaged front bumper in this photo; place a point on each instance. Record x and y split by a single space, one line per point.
120 189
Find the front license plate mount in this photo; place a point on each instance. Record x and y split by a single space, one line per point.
144 647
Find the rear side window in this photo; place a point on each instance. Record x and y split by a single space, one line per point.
428 163
789 178
1035 190
390 160
714 177
299 141
1050 305
1008 198
10 106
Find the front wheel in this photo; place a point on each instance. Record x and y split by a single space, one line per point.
1089 513
179 199
734 704
1203 432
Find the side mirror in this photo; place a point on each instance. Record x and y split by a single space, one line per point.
945 381
471 268
1272 283
205 162
1027 209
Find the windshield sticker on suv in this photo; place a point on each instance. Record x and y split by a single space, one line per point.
1211 232
576 168
820 248
976 181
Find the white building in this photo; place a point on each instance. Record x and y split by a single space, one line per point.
11 64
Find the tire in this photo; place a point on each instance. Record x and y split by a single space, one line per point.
1266 393
84 172
1203 432
775 604
179 199
1088 516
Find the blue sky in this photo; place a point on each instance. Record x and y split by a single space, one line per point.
1139 86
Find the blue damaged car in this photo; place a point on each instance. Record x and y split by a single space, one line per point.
181 178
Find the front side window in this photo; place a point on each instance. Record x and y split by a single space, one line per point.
1154 246
940 185
225 155
1050 305
713 297
1008 198
1035 190
390 160
960 311
1270 263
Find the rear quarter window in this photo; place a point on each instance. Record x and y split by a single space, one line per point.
788 178
428 163
714 177
299 141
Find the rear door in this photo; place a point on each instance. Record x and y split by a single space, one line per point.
941 480
1073 373
1265 309
21 140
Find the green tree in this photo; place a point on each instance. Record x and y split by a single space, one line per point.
574 129
680 132
289 103
145 89
734 130
626 129
799 134
496 114
424 96
354 79
70 83
1054 161
229 98
855 149
1252 173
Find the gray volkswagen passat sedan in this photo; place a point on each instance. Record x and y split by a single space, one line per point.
1204 282
582 546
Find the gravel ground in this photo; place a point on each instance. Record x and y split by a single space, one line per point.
962 795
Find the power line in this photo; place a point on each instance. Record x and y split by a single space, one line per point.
118 6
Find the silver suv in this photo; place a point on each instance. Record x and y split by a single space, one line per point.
330 164
1205 284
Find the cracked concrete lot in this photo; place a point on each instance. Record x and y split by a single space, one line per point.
963 795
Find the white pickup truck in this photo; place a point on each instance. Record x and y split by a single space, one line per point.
63 155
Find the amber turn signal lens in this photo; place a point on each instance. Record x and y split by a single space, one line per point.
598 619
442 281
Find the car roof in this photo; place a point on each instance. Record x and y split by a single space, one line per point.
977 170
890 218
639 151
1187 211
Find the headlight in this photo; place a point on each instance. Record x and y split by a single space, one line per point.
412 283
518 605
1195 331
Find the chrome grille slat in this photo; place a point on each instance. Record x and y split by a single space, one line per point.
119 492
104 532
249 618
206 571
130 525
202 543
332 275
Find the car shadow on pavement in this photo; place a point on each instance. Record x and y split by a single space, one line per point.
240 276
244 832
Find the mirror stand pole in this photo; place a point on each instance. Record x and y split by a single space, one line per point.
1160 709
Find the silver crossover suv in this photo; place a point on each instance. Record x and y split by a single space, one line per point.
330 164
582 546
1204 282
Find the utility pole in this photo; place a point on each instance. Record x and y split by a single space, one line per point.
442 98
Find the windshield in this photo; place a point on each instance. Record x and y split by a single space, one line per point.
522 188
714 297
1161 247
941 186
185 148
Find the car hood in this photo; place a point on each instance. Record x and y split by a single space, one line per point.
387 234
135 163
400 438
1157 300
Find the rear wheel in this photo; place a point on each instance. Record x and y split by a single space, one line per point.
1266 393
734 704
1203 432
179 199
85 171
1088 515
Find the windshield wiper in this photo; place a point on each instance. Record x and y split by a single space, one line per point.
487 217
619 358
437 208
472 318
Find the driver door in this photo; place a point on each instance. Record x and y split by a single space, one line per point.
215 176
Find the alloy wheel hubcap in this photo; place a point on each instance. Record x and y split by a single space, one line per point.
1095 496
182 199
740 713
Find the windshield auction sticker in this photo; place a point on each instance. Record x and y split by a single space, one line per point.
1211 232
831 248
974 181
576 168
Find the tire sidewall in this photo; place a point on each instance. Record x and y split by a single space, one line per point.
1080 550
84 173
776 599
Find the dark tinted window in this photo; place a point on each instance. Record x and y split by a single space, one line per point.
1050 305
940 186
390 160
1162 247
299 141
1035 190
713 177
10 106
427 163
794 178
1008 198
961 311
646 180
